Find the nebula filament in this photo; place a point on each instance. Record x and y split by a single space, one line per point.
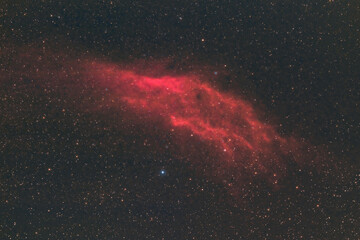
240 144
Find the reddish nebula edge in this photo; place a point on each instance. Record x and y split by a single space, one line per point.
235 145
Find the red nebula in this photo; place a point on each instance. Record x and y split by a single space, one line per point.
241 143
219 133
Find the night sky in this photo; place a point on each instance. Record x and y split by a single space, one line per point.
211 119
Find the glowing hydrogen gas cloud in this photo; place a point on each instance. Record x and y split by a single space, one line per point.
219 133
238 140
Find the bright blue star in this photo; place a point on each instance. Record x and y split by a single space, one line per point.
162 172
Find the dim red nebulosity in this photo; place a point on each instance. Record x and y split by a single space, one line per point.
239 145
219 133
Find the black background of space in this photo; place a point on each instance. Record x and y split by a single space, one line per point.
67 174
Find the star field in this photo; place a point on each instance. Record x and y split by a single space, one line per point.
179 120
